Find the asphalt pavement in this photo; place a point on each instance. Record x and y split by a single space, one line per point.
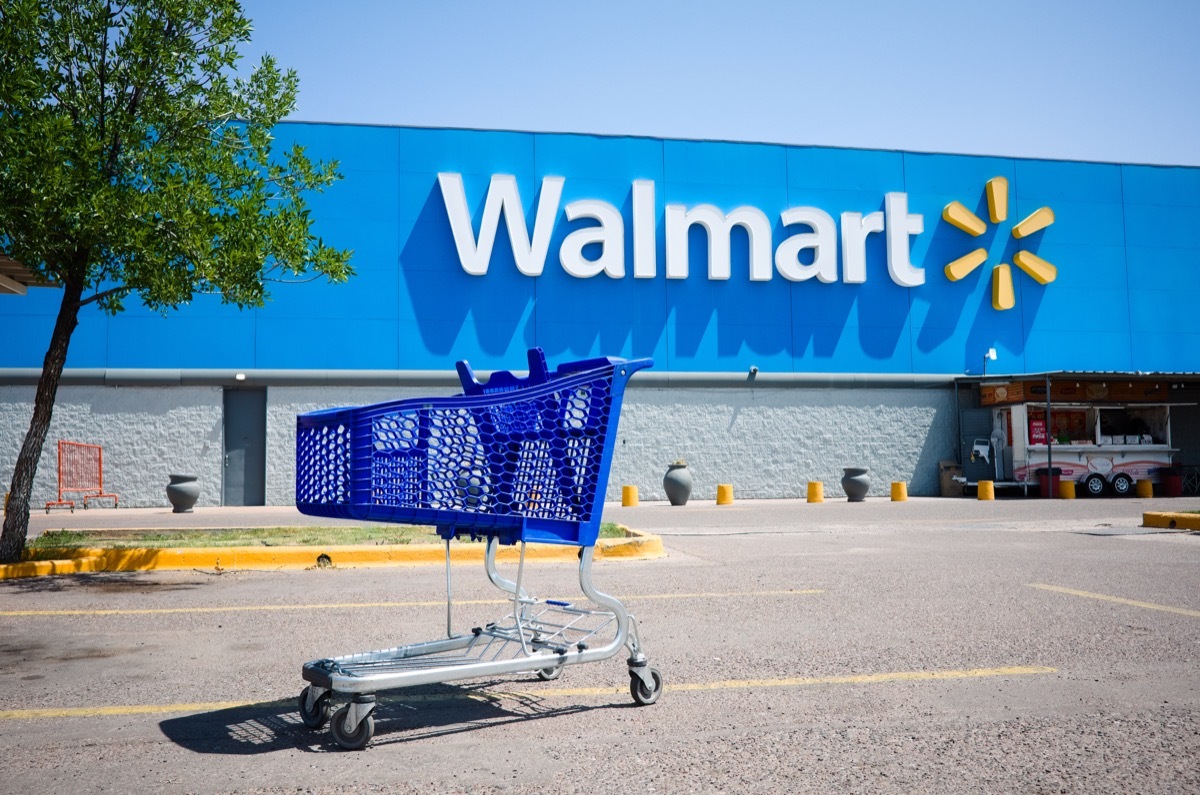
941 646
743 516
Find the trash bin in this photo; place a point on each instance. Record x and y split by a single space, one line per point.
948 470
1048 481
1172 481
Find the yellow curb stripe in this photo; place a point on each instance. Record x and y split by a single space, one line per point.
638 546
368 605
689 687
1183 611
1170 520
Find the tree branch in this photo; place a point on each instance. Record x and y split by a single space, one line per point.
91 299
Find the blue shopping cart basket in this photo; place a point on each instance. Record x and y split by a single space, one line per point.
520 458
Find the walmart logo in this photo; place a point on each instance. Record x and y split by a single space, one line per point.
1034 266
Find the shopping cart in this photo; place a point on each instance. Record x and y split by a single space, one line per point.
512 460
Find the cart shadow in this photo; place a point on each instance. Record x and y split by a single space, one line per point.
417 713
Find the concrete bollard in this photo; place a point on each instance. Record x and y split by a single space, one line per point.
987 490
629 496
816 491
1066 489
899 491
1145 488
724 494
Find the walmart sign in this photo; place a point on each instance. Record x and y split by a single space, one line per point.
811 253
709 256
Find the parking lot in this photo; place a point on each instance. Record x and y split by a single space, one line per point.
930 646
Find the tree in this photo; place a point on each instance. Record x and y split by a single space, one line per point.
136 162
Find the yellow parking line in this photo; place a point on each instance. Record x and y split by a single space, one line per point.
685 687
364 605
809 681
1183 611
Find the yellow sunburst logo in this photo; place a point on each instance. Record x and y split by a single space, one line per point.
1038 269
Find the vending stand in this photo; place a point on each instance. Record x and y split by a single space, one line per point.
1104 436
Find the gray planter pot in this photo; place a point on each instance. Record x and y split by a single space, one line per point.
856 483
183 491
677 483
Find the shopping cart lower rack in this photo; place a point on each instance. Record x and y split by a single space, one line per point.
511 460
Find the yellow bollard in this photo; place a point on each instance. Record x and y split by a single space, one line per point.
1145 488
987 490
899 491
816 491
724 494
629 496
1066 489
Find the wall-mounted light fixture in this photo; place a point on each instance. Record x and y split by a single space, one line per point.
990 355
240 377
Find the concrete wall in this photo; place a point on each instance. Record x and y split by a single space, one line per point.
766 442
147 433
772 442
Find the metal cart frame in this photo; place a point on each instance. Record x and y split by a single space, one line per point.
514 460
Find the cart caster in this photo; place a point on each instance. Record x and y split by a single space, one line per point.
550 674
351 740
318 716
641 694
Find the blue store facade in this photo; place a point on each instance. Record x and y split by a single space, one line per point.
824 271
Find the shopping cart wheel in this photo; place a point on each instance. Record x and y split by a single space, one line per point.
550 674
639 692
320 712
356 740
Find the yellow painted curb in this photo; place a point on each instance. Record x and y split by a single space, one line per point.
637 546
1174 521
42 568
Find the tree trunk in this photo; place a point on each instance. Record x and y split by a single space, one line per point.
16 520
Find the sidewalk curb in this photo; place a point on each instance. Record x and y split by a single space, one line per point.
638 546
1173 521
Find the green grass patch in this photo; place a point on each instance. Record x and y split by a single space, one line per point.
250 537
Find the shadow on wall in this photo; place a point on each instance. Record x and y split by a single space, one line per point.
940 442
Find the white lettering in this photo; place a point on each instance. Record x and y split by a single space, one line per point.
645 258
822 240
718 225
899 226
475 253
530 250
855 229
610 235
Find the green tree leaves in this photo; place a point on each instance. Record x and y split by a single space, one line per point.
134 161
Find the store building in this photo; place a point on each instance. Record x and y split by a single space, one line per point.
807 308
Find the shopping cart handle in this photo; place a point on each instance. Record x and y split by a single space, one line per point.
504 380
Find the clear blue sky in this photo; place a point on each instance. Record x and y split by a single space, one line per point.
1064 79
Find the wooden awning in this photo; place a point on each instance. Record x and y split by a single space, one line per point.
15 278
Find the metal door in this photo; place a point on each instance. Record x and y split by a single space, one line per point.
245 477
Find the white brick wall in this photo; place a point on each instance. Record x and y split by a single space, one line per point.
772 442
147 434
766 442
